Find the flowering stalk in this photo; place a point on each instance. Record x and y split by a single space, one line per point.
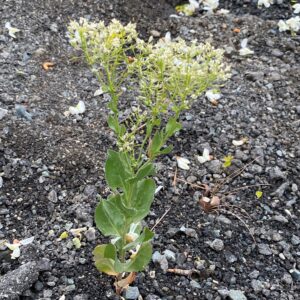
170 75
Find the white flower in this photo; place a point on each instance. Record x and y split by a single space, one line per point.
183 163
294 23
266 3
240 142
283 26
223 11
78 109
212 96
244 51
296 8
210 5
98 92
194 3
168 37
11 30
205 156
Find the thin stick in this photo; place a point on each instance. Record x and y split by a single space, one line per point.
202 187
240 219
245 187
231 176
160 219
175 178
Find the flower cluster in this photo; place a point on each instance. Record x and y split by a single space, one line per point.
173 73
98 40
292 24
265 3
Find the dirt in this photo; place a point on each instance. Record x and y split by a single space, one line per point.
261 253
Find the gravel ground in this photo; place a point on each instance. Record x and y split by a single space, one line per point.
51 166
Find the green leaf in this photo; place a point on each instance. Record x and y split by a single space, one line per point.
146 236
156 144
172 127
145 170
166 150
142 198
105 257
117 169
137 262
113 124
227 161
111 216
258 194
122 130
141 259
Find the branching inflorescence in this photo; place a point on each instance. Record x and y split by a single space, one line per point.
168 76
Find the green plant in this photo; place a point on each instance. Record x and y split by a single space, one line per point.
169 76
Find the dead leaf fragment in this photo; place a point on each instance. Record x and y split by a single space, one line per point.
209 204
183 272
240 142
48 65
124 283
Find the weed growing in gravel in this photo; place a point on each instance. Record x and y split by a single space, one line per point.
169 76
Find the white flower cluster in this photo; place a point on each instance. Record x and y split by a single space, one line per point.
292 24
99 39
172 71
265 3
210 5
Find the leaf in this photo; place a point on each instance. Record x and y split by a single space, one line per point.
138 261
146 236
240 142
227 161
11 30
156 144
16 253
142 198
172 127
27 241
141 258
111 216
64 235
117 169
145 170
98 92
124 283
104 257
258 194
183 163
166 150
78 109
205 156
76 243
113 123
212 95
48 65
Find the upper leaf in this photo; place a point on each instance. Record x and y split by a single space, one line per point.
111 216
117 169
145 170
141 199
172 127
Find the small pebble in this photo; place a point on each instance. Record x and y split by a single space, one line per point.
217 245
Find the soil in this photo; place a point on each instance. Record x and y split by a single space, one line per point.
259 253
